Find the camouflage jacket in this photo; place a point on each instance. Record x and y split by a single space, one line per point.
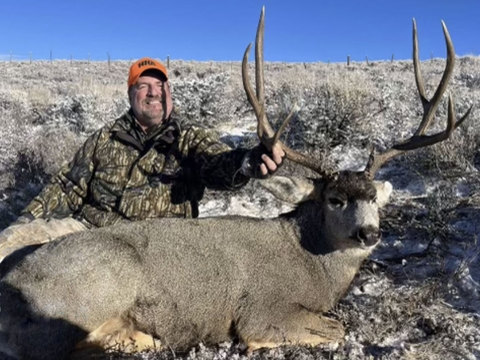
122 173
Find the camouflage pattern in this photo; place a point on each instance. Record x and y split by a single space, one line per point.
122 173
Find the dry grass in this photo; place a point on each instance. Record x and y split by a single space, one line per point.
419 299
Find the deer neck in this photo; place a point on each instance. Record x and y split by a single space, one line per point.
308 222
334 266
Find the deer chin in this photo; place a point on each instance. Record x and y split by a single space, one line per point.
365 244
352 242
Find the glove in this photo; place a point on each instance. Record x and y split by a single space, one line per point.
252 161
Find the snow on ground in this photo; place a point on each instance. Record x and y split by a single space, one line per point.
416 298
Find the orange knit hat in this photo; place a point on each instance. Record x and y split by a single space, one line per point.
139 66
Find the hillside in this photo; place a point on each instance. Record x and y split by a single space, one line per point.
419 295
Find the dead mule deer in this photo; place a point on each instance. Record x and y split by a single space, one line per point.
176 282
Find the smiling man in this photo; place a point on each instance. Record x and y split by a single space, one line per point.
149 92
143 165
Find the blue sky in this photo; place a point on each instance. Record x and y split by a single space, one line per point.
219 30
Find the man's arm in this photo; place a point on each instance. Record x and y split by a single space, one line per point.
66 191
222 168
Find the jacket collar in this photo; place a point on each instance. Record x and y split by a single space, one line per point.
127 129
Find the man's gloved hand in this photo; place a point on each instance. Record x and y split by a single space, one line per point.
260 163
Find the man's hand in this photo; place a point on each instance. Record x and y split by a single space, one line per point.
259 162
271 164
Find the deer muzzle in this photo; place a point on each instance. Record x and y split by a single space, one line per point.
367 235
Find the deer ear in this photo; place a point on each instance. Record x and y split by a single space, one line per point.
289 189
384 190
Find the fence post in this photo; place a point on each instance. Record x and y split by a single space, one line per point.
108 57
348 60
168 61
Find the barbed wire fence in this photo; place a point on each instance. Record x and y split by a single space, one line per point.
29 58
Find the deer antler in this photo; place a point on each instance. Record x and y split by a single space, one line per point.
419 139
268 137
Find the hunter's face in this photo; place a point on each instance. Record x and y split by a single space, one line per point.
147 99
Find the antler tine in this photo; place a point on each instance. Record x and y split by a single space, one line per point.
259 63
416 66
429 107
252 99
266 134
265 127
264 130
419 139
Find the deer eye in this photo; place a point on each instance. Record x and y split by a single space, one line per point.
336 202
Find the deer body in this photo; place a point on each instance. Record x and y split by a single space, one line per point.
181 281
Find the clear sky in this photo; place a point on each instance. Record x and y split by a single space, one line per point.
219 30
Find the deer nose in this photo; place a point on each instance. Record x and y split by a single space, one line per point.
368 235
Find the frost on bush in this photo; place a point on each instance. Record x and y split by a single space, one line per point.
419 296
332 113
28 176
196 100
68 112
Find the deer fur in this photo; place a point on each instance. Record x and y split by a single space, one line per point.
177 282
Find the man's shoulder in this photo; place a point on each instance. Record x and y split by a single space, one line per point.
190 130
193 136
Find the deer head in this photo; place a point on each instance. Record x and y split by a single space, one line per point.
348 201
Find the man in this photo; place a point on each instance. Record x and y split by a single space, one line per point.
143 165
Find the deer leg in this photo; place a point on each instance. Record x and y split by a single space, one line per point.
118 333
298 328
